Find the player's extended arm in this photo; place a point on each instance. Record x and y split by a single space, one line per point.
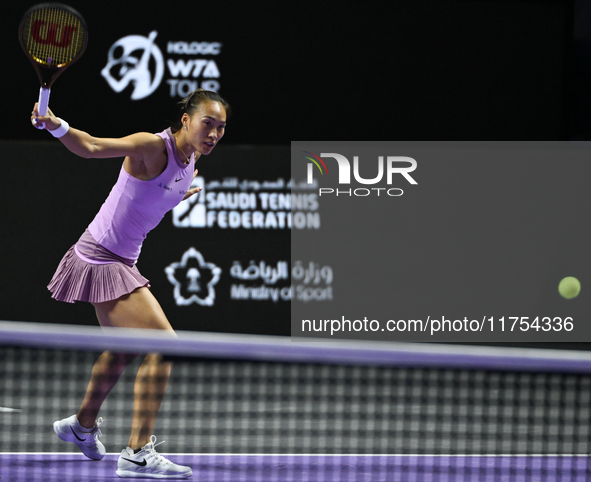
139 146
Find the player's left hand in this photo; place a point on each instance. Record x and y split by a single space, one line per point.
195 190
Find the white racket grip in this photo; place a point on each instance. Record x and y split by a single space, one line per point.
43 100
43 104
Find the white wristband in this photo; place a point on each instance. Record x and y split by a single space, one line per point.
61 130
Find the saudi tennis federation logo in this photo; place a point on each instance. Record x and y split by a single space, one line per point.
193 279
315 160
135 60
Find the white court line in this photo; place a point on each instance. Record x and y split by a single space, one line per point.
6 409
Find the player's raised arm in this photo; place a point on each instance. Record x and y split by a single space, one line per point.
140 146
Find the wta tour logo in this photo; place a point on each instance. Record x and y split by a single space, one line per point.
393 165
136 60
129 62
193 279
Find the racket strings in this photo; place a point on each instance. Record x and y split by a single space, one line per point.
53 36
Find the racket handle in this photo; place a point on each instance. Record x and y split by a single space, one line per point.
43 100
43 104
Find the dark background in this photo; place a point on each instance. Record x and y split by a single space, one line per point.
404 70
401 70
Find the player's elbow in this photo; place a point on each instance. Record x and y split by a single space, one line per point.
85 153
92 149
84 148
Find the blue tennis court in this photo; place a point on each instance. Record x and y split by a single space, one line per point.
311 468
259 408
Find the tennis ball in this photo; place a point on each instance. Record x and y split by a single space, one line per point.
569 287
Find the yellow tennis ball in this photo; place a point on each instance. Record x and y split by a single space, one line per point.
569 287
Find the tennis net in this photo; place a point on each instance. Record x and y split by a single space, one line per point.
242 407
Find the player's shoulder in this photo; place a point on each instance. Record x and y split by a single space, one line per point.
146 137
149 156
146 142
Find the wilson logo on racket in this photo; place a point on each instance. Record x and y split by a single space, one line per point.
53 36
52 33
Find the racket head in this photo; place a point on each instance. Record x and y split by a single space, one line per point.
53 36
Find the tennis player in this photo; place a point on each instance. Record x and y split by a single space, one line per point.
100 268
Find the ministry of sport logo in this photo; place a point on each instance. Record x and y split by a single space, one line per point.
138 61
387 166
193 279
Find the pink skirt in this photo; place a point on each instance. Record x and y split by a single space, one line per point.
89 272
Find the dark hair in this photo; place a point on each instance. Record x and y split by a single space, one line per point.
191 104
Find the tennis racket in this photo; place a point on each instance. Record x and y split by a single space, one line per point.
53 36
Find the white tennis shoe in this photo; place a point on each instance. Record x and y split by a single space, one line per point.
70 430
148 463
